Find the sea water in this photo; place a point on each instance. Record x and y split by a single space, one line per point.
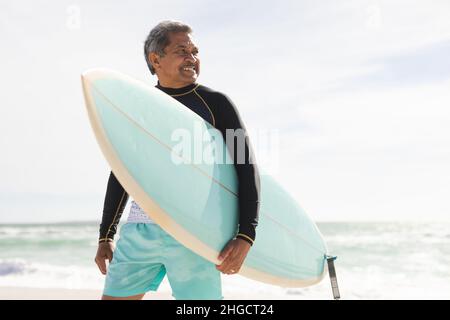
376 260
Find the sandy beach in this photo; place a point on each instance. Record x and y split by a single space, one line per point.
16 293
12 293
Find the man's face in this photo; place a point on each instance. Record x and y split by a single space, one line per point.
180 66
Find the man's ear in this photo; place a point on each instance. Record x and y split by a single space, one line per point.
154 59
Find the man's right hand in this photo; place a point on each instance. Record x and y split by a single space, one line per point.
104 252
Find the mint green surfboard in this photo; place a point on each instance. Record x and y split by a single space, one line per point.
196 202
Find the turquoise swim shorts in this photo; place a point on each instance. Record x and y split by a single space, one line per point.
145 253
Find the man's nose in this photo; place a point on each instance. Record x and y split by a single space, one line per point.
191 58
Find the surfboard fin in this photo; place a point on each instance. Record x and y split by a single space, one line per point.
333 278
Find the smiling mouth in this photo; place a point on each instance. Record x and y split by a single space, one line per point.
190 69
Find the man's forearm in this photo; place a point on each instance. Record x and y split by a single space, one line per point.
249 196
115 201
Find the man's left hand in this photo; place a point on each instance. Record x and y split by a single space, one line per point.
233 256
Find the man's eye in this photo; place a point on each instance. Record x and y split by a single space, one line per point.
184 52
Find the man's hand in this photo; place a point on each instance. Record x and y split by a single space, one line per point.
105 251
233 256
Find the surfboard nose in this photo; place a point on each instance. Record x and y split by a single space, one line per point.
84 80
95 73
89 76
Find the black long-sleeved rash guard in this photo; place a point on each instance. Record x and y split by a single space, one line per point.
220 112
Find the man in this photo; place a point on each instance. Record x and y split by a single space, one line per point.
145 253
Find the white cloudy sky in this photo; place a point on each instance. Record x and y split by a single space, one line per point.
358 92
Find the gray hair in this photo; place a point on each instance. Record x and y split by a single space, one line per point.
158 39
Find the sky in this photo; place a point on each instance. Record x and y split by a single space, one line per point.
346 102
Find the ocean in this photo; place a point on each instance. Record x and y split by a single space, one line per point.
378 260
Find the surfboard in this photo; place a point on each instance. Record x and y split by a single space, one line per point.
196 202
